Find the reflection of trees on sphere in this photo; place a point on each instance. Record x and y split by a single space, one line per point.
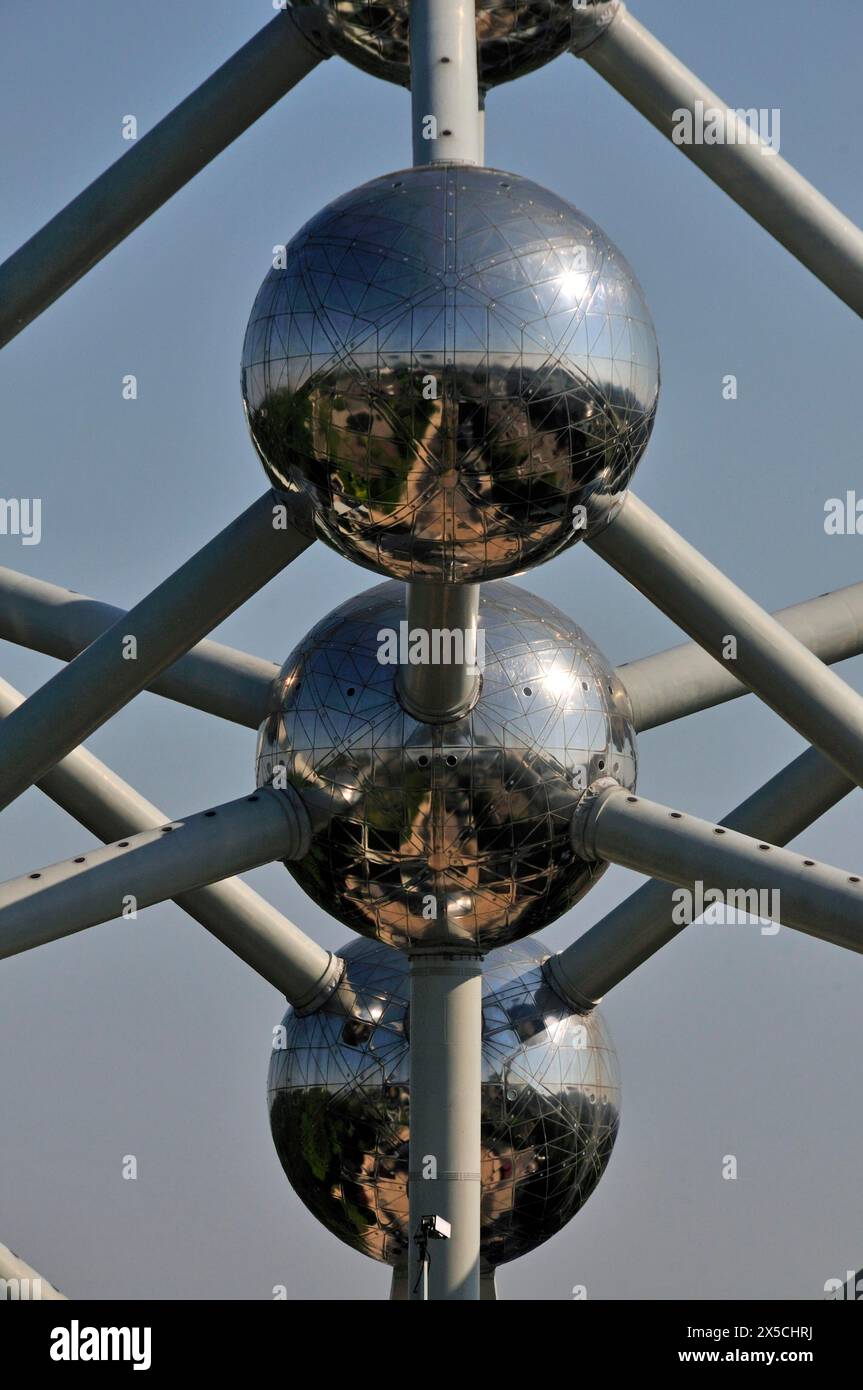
446 399
457 830
339 1097
513 36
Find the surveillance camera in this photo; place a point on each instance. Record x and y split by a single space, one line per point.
435 1228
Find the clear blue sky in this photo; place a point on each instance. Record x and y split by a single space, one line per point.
148 1038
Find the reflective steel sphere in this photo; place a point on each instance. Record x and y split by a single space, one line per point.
513 36
339 1100
457 830
453 366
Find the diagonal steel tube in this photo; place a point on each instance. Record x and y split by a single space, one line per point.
167 861
722 618
211 677
18 1282
638 927
686 679
618 827
157 166
659 86
162 627
236 686
231 911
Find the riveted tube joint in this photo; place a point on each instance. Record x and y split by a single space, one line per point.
618 827
167 861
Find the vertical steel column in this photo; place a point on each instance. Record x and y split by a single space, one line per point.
446 987
445 1119
442 688
444 87
448 126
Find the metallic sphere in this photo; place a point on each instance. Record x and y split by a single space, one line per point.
455 367
457 830
339 1100
513 36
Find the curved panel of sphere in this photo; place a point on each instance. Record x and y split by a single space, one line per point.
339 1101
456 368
513 36
447 831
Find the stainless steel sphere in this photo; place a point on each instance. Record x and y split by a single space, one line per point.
339 1101
513 36
447 831
454 367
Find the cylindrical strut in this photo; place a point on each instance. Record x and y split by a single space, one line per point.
747 167
212 677
448 126
143 643
737 633
445 1121
157 165
445 101
442 630
446 988
644 922
150 867
230 910
752 876
20 1283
